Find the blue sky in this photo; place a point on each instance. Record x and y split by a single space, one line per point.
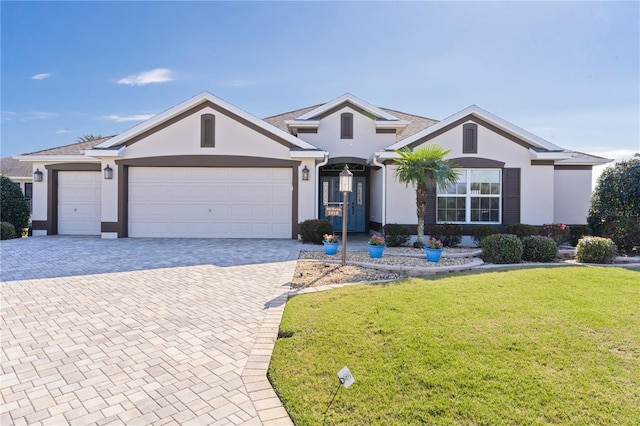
566 71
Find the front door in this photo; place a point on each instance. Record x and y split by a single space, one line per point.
330 195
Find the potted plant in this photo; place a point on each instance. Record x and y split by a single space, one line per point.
434 249
376 246
331 243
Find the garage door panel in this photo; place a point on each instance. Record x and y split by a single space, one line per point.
79 203
210 202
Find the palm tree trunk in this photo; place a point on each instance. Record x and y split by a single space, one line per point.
421 208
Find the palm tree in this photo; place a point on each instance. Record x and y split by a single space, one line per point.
423 168
87 138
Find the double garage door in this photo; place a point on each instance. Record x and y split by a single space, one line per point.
186 202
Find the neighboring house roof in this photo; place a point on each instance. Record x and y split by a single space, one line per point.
13 168
416 122
198 100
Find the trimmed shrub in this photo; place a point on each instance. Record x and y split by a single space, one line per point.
596 250
13 207
448 233
395 235
537 248
521 230
7 231
576 232
558 231
481 232
502 248
313 230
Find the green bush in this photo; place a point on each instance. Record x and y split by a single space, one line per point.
558 231
615 204
576 232
448 233
7 231
537 248
13 207
481 232
522 230
395 235
502 248
312 230
596 250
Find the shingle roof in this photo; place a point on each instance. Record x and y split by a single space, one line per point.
15 168
71 149
417 123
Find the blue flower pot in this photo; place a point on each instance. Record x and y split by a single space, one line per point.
375 251
433 255
330 248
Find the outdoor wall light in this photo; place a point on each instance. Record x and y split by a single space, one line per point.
37 176
305 173
108 172
346 180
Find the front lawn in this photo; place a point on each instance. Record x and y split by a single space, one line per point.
534 346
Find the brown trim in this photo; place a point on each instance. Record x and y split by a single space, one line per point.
39 225
207 131
542 162
206 161
386 131
343 105
52 188
350 160
109 227
573 168
306 130
470 138
476 162
199 161
463 120
217 108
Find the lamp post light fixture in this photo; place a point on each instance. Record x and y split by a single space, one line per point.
305 173
37 176
108 172
346 185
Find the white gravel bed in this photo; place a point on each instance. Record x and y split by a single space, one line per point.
363 257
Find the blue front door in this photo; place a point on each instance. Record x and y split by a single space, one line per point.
330 194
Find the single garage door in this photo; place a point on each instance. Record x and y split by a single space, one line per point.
79 203
182 202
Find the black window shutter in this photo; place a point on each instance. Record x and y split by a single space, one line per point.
346 125
430 211
470 138
208 131
510 196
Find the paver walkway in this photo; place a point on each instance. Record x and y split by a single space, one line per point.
141 331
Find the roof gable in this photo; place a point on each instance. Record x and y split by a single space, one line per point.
193 105
347 100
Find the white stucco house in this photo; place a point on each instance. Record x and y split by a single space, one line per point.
205 168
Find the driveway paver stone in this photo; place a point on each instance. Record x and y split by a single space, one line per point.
141 331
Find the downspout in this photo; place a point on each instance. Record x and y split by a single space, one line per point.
384 187
317 191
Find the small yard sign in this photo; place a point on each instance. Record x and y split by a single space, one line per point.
332 210
346 378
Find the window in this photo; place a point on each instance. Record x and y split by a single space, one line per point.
470 138
476 198
346 125
208 131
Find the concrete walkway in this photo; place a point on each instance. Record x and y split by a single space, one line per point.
141 331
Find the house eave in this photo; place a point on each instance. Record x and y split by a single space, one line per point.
105 152
57 158
549 155
308 154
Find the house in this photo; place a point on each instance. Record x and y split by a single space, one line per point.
21 173
206 168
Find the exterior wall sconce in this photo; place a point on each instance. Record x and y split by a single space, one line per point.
108 172
37 176
305 173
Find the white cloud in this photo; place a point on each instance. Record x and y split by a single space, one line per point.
41 76
27 116
241 83
122 119
158 75
59 132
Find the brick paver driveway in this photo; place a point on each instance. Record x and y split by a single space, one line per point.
141 331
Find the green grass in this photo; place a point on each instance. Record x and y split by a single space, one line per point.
535 346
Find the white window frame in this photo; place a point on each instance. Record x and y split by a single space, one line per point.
468 196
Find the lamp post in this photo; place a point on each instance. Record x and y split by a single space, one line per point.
346 183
